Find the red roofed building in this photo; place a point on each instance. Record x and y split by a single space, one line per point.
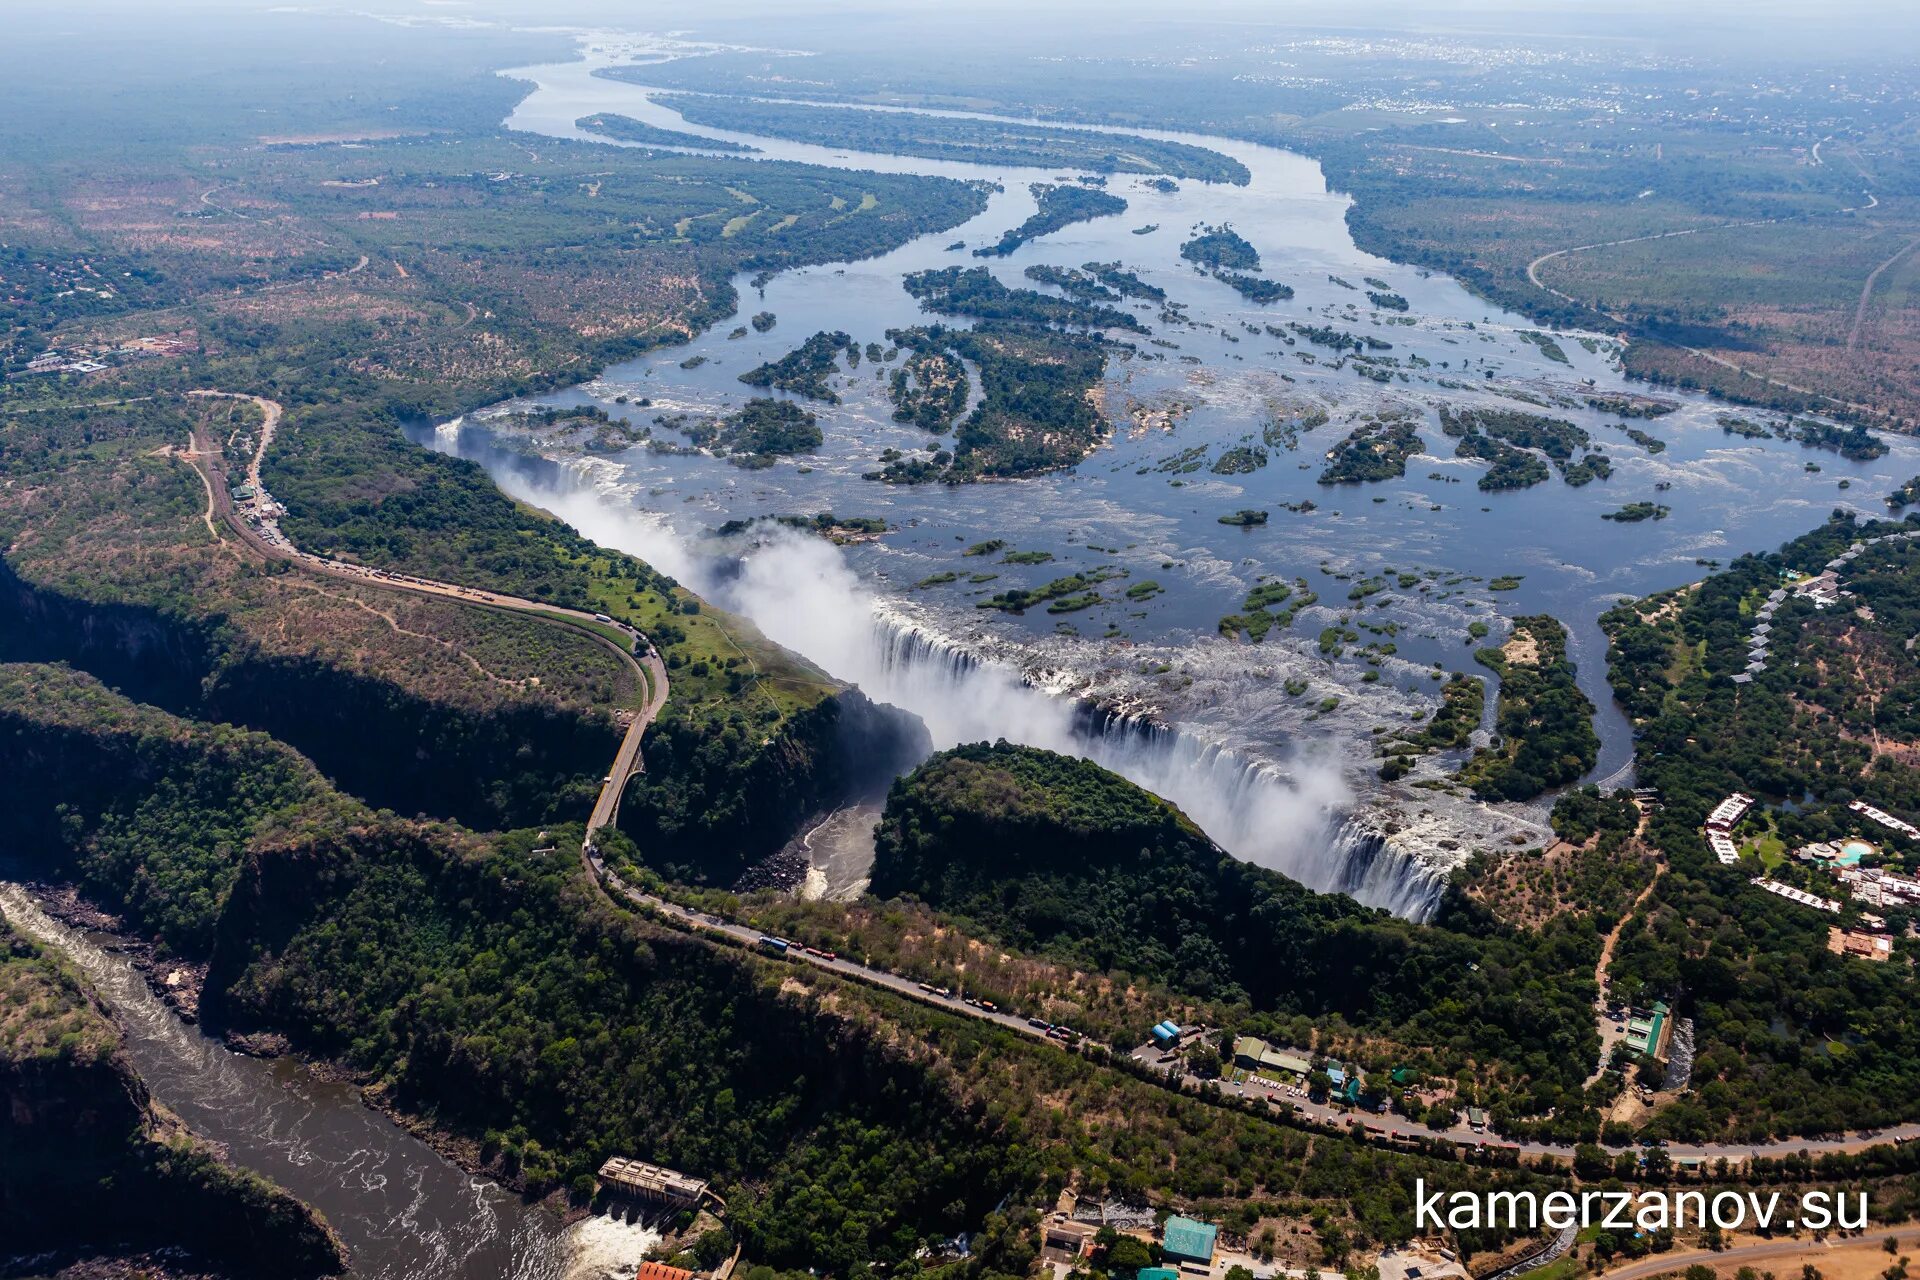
661 1271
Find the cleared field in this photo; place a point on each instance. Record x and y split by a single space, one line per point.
1827 303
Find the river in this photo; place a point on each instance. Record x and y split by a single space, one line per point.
404 1211
1416 571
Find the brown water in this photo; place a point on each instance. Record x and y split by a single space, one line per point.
402 1208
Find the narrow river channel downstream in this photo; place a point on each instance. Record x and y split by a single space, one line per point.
405 1212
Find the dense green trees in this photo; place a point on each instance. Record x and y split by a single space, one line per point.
621 128
1372 451
1061 205
953 138
1033 414
1221 248
1544 720
1791 1038
1057 854
490 990
764 429
977 292
804 370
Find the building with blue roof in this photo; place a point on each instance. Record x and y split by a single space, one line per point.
1188 1240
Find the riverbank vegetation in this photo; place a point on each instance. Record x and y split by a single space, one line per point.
609 124
804 370
1545 723
1057 855
94 1172
1035 410
1788 1034
1375 450
1222 249
977 292
974 141
1514 440
537 1029
1060 205
1759 293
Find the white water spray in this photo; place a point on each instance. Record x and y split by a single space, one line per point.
801 592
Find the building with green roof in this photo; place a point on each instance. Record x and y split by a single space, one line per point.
1187 1240
1256 1054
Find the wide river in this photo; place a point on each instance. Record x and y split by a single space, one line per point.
1303 715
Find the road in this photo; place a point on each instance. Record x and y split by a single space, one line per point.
206 459
260 535
1873 201
1283 1097
628 761
1745 1255
739 934
1866 293
1612 1032
270 412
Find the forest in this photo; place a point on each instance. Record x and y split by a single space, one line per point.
977 292
804 370
1372 451
1033 413
1223 249
1509 439
621 128
1545 723
483 984
1792 1038
1056 854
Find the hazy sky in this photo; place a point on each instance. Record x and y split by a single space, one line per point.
1785 29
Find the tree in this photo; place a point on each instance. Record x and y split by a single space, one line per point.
1127 1255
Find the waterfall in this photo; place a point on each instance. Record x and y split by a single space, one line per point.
1296 822
804 595
1371 868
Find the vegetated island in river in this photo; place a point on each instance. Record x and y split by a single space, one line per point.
1060 206
626 129
989 142
1034 413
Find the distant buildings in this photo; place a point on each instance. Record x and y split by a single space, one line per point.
1065 1240
1885 819
1878 888
1720 824
1800 896
1257 1055
54 362
661 1271
1823 589
1647 1030
1854 942
1729 811
650 1182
